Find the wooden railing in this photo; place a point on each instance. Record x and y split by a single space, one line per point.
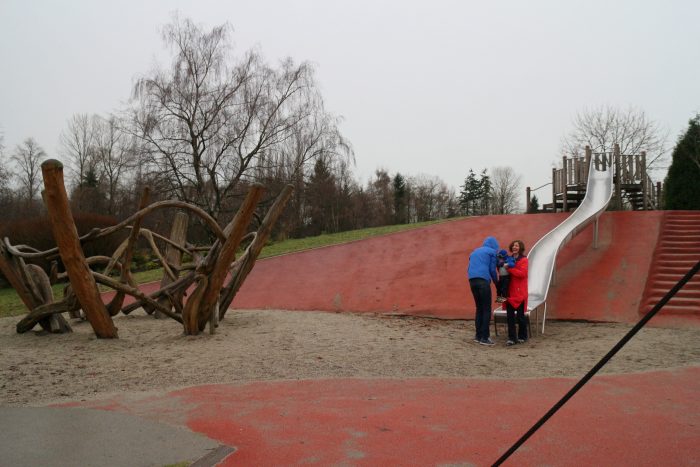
630 177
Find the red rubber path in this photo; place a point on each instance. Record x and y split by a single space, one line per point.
636 419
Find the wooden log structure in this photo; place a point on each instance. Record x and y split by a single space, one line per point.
208 302
116 304
212 273
245 264
173 256
66 236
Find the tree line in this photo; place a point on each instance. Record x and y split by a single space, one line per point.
211 123
205 128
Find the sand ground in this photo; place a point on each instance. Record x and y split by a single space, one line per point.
153 355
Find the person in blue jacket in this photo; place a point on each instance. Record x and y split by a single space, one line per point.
481 271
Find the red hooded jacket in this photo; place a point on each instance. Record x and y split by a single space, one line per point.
517 289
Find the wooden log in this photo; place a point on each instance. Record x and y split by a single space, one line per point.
41 312
173 255
12 274
176 288
240 273
200 305
116 304
55 323
135 292
71 253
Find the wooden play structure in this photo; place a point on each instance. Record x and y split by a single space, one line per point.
194 294
633 188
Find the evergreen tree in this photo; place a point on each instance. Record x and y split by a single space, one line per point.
683 179
534 205
320 197
469 194
485 193
400 202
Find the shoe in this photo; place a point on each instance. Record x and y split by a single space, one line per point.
477 340
487 341
509 343
522 341
500 299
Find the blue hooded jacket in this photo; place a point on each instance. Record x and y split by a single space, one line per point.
482 261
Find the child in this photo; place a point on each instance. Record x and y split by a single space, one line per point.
503 277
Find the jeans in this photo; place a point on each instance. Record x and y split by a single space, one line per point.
513 315
481 290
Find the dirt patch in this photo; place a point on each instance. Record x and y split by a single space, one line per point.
282 345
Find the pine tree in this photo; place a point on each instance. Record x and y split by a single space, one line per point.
399 186
683 179
469 194
534 205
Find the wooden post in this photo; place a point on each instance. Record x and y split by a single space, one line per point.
239 273
116 304
71 253
588 163
565 204
178 234
617 177
645 190
201 303
554 189
527 197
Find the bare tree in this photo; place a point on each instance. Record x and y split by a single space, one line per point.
430 198
505 187
28 157
603 127
77 143
115 153
208 121
5 192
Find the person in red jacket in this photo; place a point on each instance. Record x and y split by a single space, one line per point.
516 303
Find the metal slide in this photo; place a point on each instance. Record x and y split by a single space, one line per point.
542 256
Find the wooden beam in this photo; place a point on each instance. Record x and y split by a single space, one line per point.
71 253
178 235
239 274
213 272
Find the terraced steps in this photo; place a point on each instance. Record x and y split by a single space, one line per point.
677 250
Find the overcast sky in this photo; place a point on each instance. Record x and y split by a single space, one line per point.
424 87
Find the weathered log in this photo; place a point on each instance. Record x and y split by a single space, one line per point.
134 292
177 287
55 323
71 253
200 305
116 304
41 312
173 255
12 274
247 261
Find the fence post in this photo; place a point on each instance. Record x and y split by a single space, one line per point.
554 189
565 204
527 197
71 253
644 181
617 177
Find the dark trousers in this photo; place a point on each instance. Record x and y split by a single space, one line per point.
514 315
503 282
481 290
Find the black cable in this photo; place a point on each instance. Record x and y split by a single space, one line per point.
601 363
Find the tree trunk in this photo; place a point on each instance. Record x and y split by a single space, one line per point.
71 253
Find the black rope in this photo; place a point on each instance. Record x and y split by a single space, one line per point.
601 363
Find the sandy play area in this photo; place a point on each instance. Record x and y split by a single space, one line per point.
151 354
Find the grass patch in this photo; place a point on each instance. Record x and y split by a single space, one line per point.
11 305
299 244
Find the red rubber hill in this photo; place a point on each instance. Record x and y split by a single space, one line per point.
422 271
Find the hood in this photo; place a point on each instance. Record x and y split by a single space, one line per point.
491 242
